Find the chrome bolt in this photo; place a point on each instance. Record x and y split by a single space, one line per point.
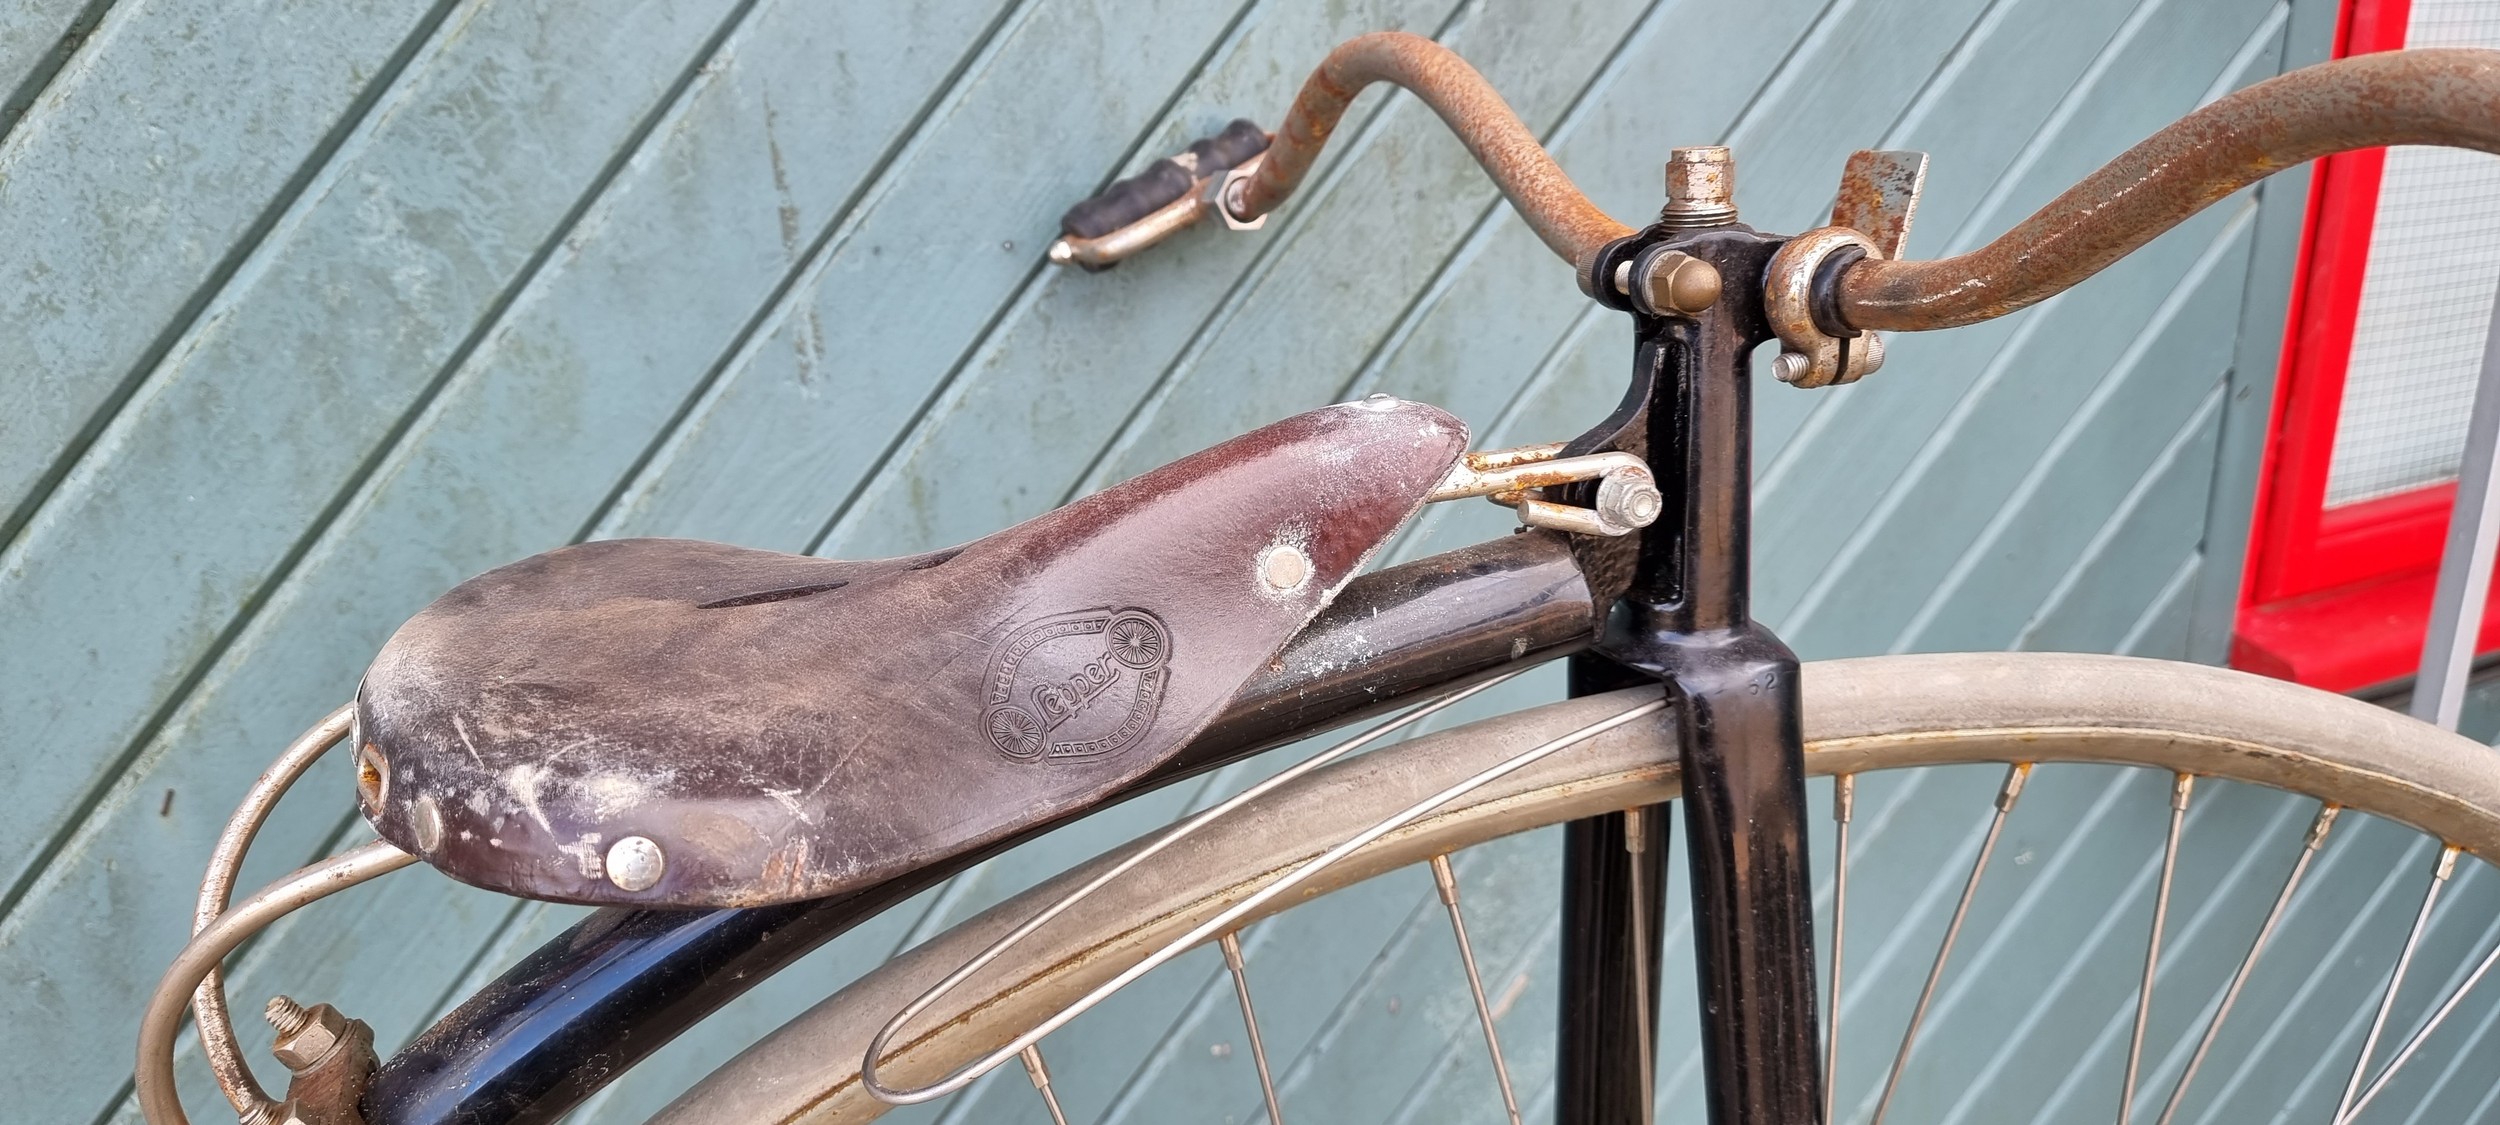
1789 367
635 863
1629 499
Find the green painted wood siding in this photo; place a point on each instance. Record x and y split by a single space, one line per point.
310 310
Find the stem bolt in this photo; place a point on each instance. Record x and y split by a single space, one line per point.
1701 188
1676 283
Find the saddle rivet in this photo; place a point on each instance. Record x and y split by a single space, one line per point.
1284 567
635 863
427 819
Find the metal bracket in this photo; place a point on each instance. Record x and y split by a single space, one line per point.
1871 216
1627 493
330 1060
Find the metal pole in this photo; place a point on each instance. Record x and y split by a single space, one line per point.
2465 564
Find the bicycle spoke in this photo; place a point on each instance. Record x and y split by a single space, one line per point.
2248 963
2387 1000
1231 942
2181 787
2006 795
2415 1042
1844 800
1636 841
1040 1074
1446 882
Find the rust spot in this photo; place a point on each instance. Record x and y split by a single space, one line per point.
1879 195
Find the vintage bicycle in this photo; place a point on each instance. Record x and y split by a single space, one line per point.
742 754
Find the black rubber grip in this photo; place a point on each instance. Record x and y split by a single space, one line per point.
1163 181
1239 141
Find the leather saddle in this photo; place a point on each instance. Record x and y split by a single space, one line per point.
665 722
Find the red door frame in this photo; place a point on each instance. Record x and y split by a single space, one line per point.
2337 597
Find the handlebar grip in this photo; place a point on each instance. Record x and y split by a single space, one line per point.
1163 181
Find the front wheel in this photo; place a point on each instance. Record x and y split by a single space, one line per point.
1996 970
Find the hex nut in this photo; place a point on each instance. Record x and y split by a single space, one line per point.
320 1032
1629 499
1679 283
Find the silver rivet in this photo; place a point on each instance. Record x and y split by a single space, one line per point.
1284 567
635 863
427 820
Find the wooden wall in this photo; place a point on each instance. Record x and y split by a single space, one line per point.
310 309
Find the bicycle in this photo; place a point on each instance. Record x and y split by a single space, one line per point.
1211 609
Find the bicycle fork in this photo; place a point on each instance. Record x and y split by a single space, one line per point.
1693 283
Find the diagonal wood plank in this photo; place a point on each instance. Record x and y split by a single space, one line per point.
37 38
157 157
514 82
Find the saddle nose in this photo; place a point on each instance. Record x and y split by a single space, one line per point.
667 722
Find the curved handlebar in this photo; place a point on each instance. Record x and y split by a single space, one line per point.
2428 97
2448 96
1571 225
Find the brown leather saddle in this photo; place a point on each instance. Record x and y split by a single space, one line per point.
667 722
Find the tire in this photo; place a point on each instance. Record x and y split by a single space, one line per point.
1861 716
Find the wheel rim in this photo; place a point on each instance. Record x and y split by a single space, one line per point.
1862 716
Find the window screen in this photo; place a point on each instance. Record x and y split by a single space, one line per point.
2426 298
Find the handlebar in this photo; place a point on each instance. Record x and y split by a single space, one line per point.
2445 97
1555 209
2428 97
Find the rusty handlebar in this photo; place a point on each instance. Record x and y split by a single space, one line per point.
1570 225
2445 97
2429 97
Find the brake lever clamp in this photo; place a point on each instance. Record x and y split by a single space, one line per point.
1870 219
1812 355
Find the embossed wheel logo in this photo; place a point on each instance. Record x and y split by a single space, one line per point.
1077 685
